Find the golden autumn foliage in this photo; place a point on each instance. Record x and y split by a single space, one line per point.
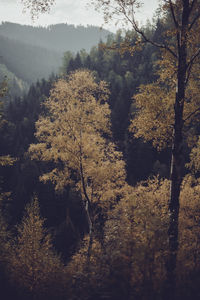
7 160
136 235
154 115
33 265
155 103
73 136
188 259
131 263
134 250
153 118
194 163
189 224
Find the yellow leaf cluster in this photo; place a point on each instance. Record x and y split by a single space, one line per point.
194 163
137 231
135 250
7 160
153 119
73 136
153 106
32 263
188 260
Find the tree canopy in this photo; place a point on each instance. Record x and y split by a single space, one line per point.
73 136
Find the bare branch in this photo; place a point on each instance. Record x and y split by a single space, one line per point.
162 46
128 12
192 5
192 114
193 58
194 21
188 74
142 34
37 6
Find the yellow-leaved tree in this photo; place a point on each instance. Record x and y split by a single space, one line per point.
131 265
75 135
168 107
33 265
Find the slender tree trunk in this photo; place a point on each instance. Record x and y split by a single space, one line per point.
177 151
90 223
90 227
176 180
86 204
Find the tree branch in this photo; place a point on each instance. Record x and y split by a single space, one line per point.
142 34
193 58
162 46
192 114
192 5
173 14
131 20
194 21
188 74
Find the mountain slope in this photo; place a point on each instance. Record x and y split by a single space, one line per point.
27 62
59 37
28 53
16 86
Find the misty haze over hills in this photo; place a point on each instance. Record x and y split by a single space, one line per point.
59 37
32 53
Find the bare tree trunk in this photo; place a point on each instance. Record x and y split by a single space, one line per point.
177 151
86 205
176 180
90 227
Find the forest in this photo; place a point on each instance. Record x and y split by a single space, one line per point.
100 164
29 53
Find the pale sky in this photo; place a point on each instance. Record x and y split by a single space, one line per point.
66 11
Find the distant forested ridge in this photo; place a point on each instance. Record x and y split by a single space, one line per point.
31 53
59 37
28 62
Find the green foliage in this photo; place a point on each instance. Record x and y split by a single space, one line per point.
27 63
15 85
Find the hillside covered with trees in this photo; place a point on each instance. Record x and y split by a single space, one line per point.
33 53
99 165
58 37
